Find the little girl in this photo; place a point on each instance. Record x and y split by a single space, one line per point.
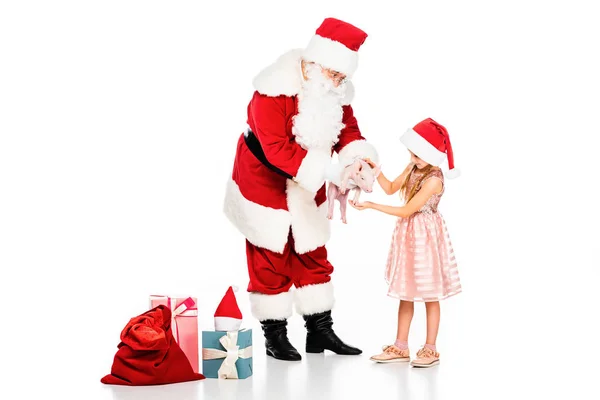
421 264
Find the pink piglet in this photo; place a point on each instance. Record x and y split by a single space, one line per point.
358 176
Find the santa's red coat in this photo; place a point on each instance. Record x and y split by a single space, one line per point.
263 204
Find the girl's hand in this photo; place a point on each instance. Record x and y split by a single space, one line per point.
361 206
370 163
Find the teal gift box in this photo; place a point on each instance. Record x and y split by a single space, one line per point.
227 355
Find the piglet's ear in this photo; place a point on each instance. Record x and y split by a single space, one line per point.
357 165
377 171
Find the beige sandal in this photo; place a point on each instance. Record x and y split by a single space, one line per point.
392 354
426 358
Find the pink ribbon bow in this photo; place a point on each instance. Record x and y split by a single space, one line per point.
186 309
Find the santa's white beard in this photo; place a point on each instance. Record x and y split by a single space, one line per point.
319 119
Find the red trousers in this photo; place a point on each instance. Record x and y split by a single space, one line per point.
273 273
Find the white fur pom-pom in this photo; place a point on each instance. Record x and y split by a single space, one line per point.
234 288
453 173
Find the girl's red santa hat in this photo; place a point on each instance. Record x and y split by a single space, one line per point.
335 46
228 316
430 141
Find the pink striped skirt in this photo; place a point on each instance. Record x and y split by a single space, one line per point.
421 265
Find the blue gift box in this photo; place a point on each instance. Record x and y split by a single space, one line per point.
216 357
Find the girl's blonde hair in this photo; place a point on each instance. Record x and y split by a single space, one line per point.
406 195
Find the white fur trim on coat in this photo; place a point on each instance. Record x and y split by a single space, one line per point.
357 149
422 148
284 77
331 54
269 228
263 226
271 306
311 174
310 226
313 299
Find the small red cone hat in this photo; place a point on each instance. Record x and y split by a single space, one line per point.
228 316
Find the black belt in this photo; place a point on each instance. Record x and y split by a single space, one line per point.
256 149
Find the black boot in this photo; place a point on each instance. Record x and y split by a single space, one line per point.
320 336
276 341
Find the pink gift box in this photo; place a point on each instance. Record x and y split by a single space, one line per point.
184 324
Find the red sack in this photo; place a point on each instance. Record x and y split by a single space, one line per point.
148 354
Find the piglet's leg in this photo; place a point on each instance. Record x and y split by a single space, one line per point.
343 204
356 195
344 184
332 194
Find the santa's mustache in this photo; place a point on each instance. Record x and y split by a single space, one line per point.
318 83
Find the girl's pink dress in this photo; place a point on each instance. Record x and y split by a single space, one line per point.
421 265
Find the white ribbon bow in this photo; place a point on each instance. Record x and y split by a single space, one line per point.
231 354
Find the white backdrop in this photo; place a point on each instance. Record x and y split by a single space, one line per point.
119 121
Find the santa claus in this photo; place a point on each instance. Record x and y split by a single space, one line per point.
299 115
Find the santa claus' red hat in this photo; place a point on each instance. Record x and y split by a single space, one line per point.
430 141
228 316
335 46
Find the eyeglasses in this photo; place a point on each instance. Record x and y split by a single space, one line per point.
331 74
335 76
